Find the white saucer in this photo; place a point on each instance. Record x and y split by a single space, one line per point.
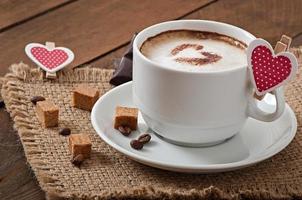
256 142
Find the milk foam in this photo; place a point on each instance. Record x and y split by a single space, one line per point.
160 52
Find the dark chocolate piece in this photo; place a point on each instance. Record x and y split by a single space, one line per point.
2 104
123 72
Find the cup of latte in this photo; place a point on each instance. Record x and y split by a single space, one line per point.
191 81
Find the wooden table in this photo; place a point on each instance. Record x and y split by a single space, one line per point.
98 32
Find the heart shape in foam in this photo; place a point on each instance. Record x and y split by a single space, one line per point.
206 57
50 60
269 71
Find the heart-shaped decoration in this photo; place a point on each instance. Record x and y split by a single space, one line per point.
50 60
269 71
205 57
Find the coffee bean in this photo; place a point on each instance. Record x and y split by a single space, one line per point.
144 138
135 144
65 131
125 130
2 104
35 99
77 160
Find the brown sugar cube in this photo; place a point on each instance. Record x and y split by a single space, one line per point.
84 97
48 113
126 117
80 144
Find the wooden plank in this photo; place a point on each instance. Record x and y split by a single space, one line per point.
297 40
107 61
16 178
90 28
14 11
268 19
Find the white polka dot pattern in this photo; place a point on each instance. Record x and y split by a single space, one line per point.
49 59
269 71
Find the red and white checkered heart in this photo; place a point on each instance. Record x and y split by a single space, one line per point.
269 71
50 60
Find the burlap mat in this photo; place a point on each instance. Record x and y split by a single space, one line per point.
111 175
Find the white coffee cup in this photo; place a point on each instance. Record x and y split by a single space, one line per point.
195 108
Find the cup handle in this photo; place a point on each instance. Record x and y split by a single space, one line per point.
255 112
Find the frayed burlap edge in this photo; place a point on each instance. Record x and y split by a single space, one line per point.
15 102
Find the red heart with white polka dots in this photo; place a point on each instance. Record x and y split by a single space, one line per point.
50 60
269 71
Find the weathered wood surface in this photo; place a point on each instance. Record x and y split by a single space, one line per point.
266 19
98 32
17 181
13 12
90 28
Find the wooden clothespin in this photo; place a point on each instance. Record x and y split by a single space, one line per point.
50 75
286 40
282 45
